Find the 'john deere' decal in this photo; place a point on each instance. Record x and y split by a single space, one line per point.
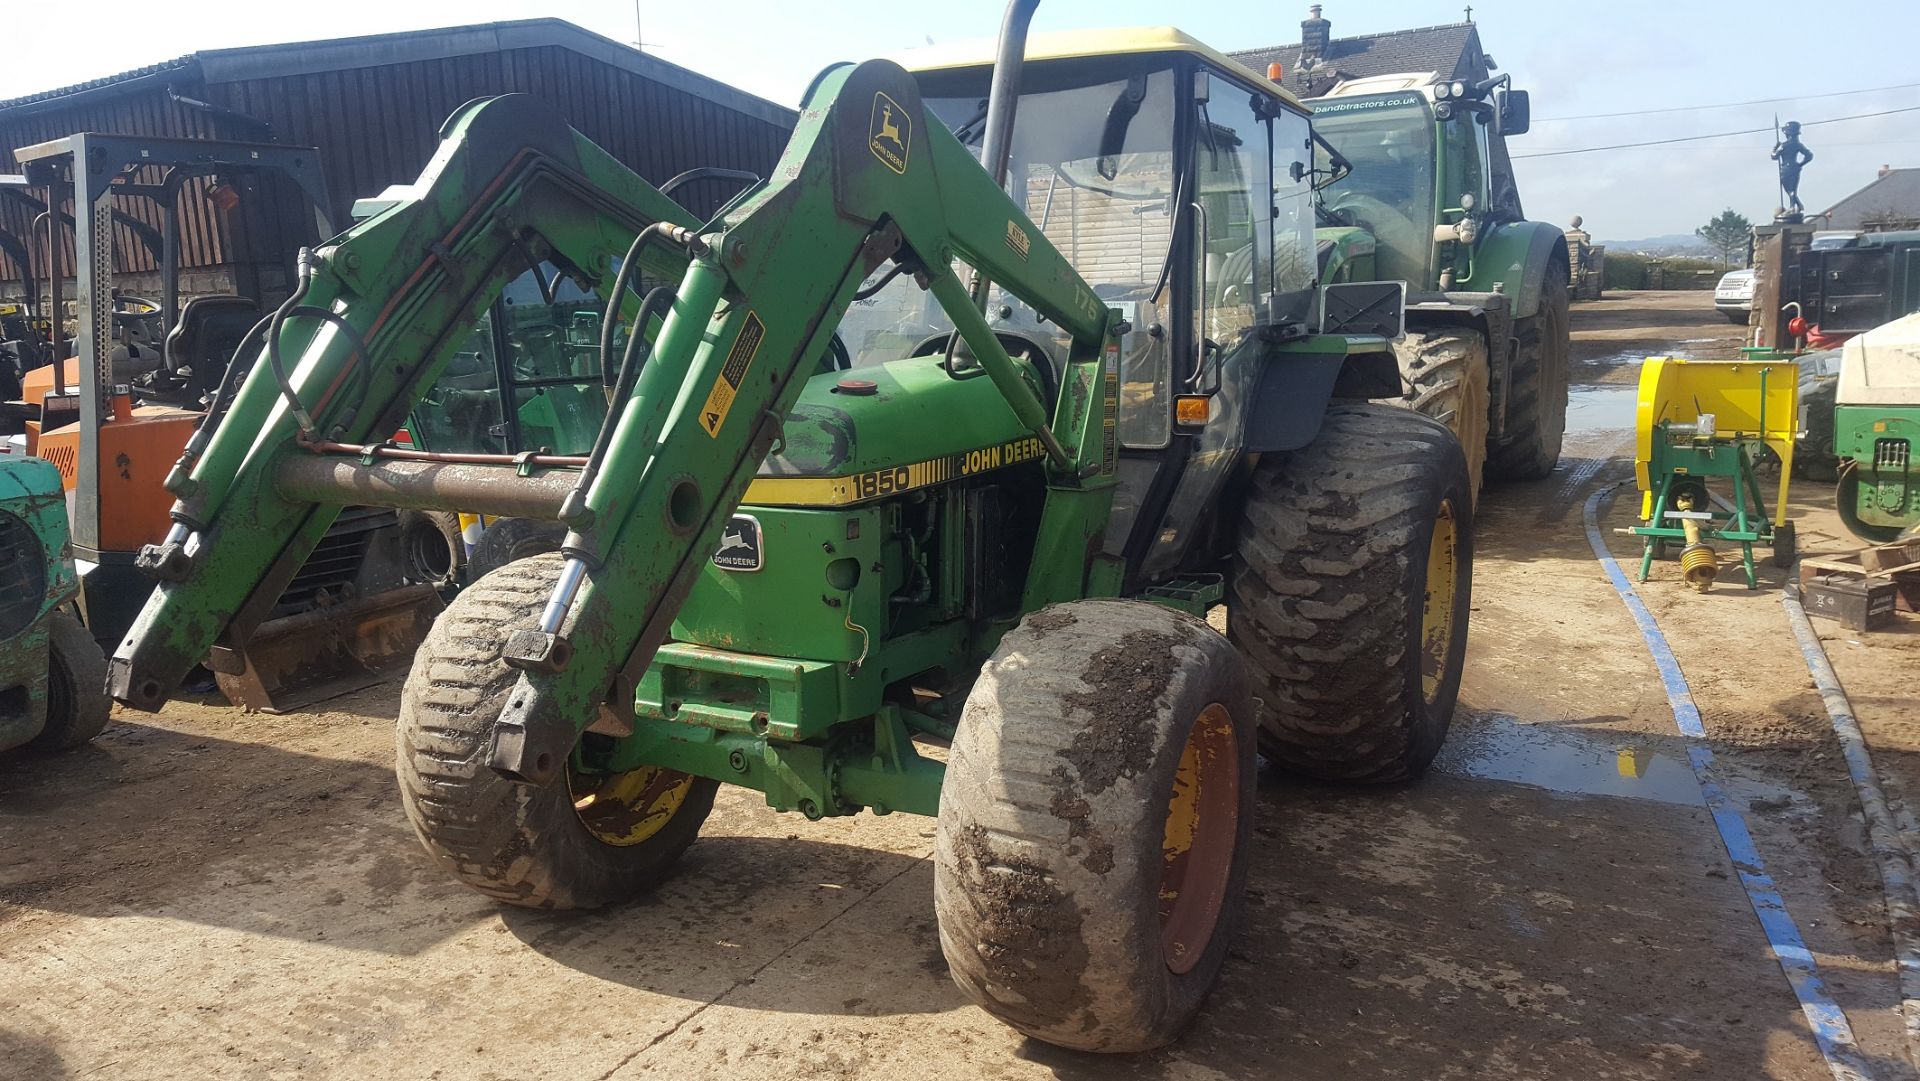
720 399
891 134
740 545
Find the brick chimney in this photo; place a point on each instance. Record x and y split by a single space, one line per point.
1315 33
1885 169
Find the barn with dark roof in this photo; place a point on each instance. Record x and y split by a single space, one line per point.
373 106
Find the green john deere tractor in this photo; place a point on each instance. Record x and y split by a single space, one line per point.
1417 186
861 535
52 676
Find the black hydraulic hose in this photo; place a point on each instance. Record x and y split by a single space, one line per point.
292 308
873 290
278 322
222 394
546 287
621 280
351 332
658 301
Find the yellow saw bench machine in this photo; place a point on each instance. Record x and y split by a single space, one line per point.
1697 420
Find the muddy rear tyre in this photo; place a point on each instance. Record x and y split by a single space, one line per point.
507 539
1350 591
1094 824
77 703
1537 391
1448 376
588 841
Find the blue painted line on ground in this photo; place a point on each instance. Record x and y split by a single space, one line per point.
1831 1032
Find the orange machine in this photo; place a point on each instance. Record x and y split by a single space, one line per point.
137 447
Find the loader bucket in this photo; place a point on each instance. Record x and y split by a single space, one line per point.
295 661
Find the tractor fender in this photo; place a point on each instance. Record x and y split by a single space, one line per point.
1290 399
1520 255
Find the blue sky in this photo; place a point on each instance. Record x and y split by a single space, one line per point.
1576 59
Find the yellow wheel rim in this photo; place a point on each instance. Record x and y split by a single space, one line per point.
1197 843
1436 618
628 808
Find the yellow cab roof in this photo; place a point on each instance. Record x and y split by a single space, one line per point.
1073 44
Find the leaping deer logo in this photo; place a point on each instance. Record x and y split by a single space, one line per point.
891 133
888 128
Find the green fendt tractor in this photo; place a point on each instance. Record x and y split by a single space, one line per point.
1425 194
52 676
791 568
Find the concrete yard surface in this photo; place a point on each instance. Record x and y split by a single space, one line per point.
207 894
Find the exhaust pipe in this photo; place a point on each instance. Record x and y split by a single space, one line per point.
1003 96
1003 101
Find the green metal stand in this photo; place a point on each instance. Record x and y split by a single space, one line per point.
1689 464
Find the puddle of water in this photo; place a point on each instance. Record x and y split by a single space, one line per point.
1616 360
1496 747
1603 407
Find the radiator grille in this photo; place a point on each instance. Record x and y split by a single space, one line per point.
1892 454
335 562
23 574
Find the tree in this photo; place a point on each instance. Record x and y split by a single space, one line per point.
1726 234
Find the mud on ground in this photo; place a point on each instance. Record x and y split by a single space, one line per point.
205 894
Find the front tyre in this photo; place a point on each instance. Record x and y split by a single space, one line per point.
597 839
1536 391
1446 374
1350 591
77 703
1094 824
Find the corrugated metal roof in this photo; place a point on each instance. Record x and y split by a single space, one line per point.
215 66
374 106
1452 50
104 81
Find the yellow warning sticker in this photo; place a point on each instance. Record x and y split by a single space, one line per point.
734 372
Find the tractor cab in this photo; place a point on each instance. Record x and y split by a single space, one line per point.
1177 183
1417 163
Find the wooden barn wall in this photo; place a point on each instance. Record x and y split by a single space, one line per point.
378 126
149 112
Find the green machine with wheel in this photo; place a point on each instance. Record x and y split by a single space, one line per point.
991 519
52 676
1415 185
1876 424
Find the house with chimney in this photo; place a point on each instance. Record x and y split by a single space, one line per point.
1889 204
1447 53
1321 61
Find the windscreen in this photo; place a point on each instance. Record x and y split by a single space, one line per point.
1093 167
1388 138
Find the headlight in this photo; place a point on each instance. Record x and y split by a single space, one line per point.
1443 91
1459 90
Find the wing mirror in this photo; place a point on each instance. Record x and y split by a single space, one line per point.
1516 115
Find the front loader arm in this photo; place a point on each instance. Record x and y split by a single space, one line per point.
869 176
